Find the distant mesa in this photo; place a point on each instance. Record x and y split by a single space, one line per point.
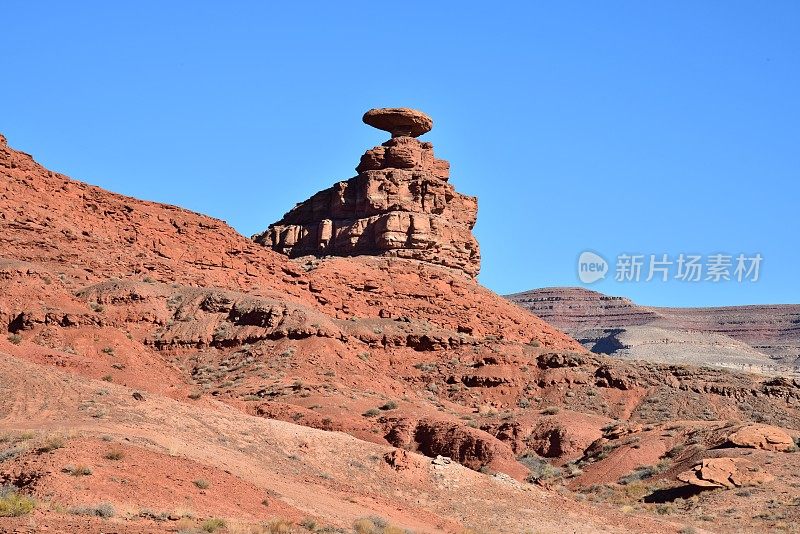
399 121
763 338
400 204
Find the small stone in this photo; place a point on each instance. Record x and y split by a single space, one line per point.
441 460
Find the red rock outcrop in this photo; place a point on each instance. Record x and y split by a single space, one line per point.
725 473
765 437
400 204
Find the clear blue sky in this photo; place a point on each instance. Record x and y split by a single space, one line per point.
621 126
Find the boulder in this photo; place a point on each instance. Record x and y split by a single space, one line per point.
725 473
765 437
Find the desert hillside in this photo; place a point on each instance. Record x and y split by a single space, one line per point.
162 373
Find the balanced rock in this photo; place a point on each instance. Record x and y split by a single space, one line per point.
399 121
725 473
400 204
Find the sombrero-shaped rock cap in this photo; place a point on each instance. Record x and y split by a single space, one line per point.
399 121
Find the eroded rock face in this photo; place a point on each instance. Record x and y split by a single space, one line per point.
400 204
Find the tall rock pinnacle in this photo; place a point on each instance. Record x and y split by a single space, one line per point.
400 204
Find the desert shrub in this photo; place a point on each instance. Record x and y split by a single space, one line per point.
108 350
147 513
372 412
11 452
107 378
376 525
675 451
426 367
550 410
213 524
610 426
640 473
365 526
78 470
114 454
15 339
643 472
202 483
573 470
390 405
103 509
540 469
309 524
280 526
194 395
52 442
12 504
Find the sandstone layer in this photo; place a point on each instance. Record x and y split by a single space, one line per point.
400 204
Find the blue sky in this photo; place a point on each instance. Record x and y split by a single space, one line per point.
617 127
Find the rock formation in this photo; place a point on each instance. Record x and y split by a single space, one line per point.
725 473
400 204
764 437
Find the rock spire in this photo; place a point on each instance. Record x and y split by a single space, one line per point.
400 204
